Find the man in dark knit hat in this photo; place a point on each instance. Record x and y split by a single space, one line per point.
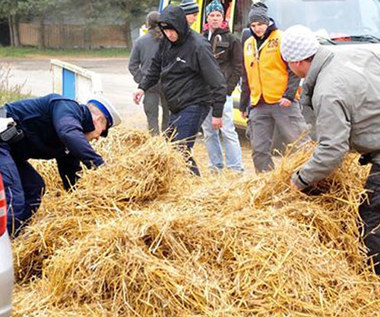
228 53
191 10
269 89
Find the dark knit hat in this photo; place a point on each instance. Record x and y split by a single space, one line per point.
152 19
215 5
259 13
189 6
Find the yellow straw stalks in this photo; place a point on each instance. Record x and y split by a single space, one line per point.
142 237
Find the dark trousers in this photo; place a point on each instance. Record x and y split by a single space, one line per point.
370 215
24 188
151 101
185 125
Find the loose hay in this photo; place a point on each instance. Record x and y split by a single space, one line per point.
142 237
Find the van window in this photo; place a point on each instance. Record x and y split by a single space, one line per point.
328 18
370 13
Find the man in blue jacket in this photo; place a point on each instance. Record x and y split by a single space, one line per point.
46 128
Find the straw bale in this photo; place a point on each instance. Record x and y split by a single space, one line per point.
218 246
139 168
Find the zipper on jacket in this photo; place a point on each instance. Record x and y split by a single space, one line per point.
257 53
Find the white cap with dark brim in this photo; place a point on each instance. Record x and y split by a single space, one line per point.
105 106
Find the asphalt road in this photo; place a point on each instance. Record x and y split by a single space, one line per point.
118 85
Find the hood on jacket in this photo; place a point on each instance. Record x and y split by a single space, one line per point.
173 17
321 58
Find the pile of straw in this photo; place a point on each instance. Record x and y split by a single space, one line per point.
142 237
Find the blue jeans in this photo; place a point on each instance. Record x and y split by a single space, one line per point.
24 188
185 125
230 140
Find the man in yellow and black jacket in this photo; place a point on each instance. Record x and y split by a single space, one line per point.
269 89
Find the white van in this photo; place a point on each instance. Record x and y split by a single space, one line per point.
339 24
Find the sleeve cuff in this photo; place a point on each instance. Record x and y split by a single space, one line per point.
299 181
217 110
290 97
140 86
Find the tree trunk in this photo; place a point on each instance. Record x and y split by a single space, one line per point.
10 22
13 30
128 35
16 33
62 33
87 36
41 34
127 25
88 25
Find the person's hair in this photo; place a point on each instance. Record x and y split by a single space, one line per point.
152 19
94 109
152 24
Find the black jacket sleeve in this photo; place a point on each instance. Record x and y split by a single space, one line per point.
293 84
213 76
236 64
245 91
154 71
68 166
134 65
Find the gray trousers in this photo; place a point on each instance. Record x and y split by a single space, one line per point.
151 102
263 118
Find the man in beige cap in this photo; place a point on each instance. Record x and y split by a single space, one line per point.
269 94
343 89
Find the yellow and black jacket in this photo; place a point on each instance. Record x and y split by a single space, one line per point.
266 76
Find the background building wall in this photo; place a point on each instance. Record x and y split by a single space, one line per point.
73 36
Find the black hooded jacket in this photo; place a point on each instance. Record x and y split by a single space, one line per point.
187 68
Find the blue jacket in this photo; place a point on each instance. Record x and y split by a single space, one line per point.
54 127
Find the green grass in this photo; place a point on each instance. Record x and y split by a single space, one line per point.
24 52
10 95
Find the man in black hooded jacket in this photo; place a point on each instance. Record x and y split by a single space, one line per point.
190 76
